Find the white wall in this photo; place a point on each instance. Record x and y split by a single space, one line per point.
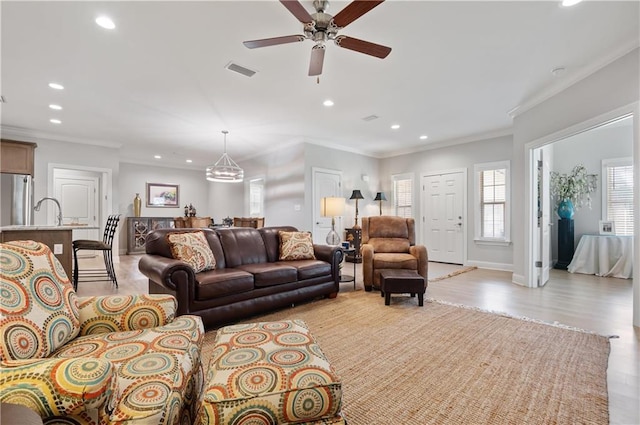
611 88
454 157
589 148
353 166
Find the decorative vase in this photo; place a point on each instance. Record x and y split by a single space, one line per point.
565 209
137 205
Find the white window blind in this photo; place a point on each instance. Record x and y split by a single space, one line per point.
493 200
619 197
256 198
403 196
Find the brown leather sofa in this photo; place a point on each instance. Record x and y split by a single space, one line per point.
248 278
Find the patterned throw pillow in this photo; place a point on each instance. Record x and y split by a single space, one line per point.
193 249
296 246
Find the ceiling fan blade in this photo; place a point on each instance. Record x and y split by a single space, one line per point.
353 11
362 46
317 60
252 44
297 10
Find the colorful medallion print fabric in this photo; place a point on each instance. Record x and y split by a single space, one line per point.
133 362
268 373
296 246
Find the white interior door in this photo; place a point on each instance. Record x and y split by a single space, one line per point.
443 219
544 214
326 183
78 194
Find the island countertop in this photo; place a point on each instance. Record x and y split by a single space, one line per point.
36 227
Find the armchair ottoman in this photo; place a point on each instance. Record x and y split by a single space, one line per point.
95 360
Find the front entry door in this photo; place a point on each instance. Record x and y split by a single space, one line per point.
326 183
443 220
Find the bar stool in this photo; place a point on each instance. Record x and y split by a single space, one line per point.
104 245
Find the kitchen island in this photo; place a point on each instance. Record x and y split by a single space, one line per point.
58 238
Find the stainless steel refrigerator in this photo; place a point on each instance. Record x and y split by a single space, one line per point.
16 207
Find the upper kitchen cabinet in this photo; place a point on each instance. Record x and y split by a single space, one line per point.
17 157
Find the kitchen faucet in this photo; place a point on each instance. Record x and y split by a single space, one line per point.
37 207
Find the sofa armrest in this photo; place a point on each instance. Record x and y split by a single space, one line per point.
367 265
420 252
119 313
60 386
332 255
160 269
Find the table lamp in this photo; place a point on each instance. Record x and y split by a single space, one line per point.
356 195
332 207
380 197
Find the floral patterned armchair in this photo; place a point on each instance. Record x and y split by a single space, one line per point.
94 360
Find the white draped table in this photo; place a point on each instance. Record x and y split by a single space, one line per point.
604 255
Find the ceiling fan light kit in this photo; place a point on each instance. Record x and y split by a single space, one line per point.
321 27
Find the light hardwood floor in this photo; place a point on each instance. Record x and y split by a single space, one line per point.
588 302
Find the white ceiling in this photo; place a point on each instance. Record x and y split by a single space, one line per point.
157 84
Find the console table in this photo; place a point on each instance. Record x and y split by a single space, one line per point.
139 227
604 255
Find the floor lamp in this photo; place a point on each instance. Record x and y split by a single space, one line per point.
380 197
356 195
332 207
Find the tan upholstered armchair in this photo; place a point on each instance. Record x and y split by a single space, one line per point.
390 243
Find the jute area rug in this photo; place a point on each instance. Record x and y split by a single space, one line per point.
444 364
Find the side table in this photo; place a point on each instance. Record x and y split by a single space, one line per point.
348 278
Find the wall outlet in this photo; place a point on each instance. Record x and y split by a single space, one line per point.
57 248
297 207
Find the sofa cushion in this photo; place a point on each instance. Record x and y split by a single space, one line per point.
269 274
193 249
394 261
39 309
221 282
296 246
389 244
308 269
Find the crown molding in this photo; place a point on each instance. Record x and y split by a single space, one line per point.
575 78
27 135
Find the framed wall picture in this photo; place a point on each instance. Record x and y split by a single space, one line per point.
607 227
163 195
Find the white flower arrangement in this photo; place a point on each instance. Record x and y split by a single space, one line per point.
575 186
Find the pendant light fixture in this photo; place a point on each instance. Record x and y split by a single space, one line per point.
225 170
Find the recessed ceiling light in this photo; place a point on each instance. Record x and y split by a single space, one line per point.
157 156
56 107
557 71
328 102
424 137
395 126
56 86
105 22
189 161
55 121
569 3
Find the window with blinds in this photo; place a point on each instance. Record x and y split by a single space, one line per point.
256 198
403 195
618 195
493 200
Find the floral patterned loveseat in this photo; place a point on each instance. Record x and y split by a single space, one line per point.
95 360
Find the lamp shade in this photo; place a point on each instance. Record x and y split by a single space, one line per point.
356 195
380 197
332 206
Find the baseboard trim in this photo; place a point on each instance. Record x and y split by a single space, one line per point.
490 265
518 279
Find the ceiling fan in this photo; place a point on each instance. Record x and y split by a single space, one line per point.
321 27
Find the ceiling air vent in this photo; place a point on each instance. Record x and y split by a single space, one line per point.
240 69
2 100
370 118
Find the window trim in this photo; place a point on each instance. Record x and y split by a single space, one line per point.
394 179
477 169
604 184
262 203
